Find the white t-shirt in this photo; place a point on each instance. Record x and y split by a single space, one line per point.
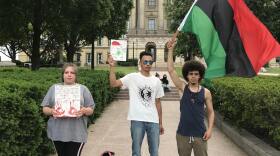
142 94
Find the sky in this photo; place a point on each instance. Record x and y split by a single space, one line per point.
4 57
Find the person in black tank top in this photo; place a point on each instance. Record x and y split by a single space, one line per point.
192 133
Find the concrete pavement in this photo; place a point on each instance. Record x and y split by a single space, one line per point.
111 132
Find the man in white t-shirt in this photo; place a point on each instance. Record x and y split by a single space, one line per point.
145 111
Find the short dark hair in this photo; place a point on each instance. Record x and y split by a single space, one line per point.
108 153
193 65
145 53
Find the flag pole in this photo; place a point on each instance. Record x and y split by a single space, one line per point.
173 39
186 17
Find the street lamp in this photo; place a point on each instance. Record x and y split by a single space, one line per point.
133 50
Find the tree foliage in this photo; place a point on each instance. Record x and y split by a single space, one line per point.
120 13
75 19
13 34
113 27
40 27
24 22
266 10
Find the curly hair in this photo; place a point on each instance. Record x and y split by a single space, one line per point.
193 65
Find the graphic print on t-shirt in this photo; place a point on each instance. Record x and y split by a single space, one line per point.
145 95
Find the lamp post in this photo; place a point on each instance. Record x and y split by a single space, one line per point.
133 50
136 47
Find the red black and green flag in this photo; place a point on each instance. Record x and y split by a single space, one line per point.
232 40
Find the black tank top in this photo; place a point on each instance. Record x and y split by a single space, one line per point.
192 113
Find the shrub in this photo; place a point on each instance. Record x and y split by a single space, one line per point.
23 125
252 104
129 62
17 116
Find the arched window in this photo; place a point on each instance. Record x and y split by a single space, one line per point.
151 47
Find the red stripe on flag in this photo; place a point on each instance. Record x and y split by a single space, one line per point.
259 44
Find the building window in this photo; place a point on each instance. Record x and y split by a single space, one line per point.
99 58
151 24
78 56
151 3
88 58
99 41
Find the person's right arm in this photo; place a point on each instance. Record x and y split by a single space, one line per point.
113 80
50 111
47 108
170 66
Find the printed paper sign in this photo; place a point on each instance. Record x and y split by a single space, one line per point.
118 50
67 100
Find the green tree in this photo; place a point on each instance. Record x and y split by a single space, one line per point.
76 21
12 33
24 22
98 20
187 45
75 18
116 26
120 13
266 10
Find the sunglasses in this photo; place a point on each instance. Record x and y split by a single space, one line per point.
146 62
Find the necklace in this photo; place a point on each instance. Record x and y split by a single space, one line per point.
194 95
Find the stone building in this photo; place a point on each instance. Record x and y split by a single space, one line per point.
147 30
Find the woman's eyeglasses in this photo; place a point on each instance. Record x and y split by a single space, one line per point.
146 62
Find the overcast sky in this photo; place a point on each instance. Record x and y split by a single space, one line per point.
4 57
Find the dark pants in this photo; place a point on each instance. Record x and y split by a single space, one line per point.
68 148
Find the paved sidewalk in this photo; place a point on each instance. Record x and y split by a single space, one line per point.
111 132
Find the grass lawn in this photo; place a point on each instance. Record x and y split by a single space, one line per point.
126 70
179 71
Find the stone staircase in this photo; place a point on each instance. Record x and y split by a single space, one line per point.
172 95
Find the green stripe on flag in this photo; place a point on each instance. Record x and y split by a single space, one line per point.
214 54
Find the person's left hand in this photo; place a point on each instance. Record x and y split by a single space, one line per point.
171 44
207 135
161 130
81 112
